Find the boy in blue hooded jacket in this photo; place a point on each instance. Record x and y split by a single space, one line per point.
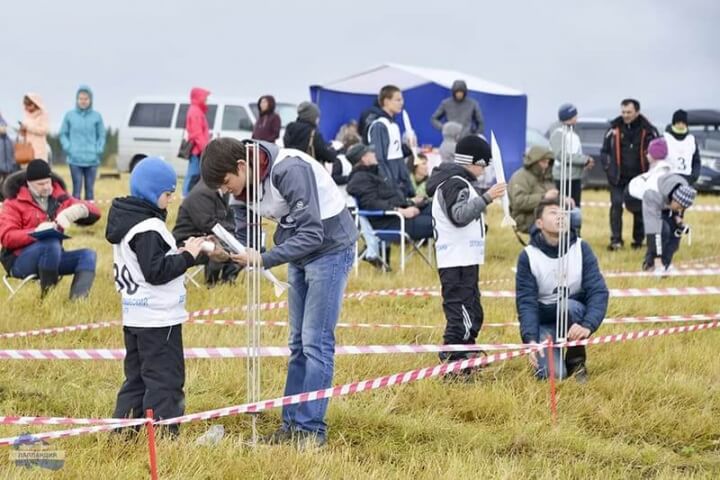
82 137
149 274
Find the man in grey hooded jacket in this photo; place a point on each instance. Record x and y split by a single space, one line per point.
461 109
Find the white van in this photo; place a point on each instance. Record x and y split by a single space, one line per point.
156 125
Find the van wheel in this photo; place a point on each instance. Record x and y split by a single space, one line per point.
135 160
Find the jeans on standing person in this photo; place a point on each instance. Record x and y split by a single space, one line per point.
618 195
575 355
315 299
372 243
86 175
575 190
48 255
193 174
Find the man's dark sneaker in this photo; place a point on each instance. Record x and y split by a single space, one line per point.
305 441
636 245
375 262
581 374
278 437
615 246
648 267
466 375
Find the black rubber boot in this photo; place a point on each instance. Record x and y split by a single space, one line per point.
48 279
81 284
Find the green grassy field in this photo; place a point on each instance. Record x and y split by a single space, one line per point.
650 410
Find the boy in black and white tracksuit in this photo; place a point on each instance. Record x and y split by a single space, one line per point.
457 210
149 272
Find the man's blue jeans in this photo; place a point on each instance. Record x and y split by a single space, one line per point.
576 311
49 255
315 299
82 175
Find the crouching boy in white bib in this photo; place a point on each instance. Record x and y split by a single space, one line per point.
457 210
149 271
536 293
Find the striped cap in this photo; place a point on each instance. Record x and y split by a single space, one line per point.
473 150
684 195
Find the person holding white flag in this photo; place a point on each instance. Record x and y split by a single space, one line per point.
458 216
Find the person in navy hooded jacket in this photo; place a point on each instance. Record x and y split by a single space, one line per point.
536 293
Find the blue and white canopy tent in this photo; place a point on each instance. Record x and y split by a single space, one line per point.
504 109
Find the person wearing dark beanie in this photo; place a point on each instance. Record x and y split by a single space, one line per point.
303 134
683 152
149 274
36 212
37 170
458 209
564 139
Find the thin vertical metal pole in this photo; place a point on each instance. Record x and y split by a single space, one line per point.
254 233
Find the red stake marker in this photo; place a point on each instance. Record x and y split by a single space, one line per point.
151 444
551 368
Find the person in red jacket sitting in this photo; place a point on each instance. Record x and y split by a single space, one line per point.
36 201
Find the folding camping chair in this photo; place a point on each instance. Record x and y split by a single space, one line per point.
14 285
393 236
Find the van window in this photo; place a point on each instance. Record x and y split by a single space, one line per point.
236 117
155 115
182 115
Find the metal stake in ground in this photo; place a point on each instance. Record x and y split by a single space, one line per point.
565 229
254 271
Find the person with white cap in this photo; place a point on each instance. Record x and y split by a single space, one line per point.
579 162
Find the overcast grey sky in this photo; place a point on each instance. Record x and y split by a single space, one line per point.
665 52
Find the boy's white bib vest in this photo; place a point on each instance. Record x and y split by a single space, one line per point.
395 145
648 180
545 271
274 206
457 246
145 305
680 153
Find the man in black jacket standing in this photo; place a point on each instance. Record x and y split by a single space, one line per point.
624 157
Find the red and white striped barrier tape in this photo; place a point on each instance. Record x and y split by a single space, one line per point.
347 389
637 320
405 292
680 272
333 392
56 330
14 420
413 375
242 352
38 437
694 208
621 337
200 321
